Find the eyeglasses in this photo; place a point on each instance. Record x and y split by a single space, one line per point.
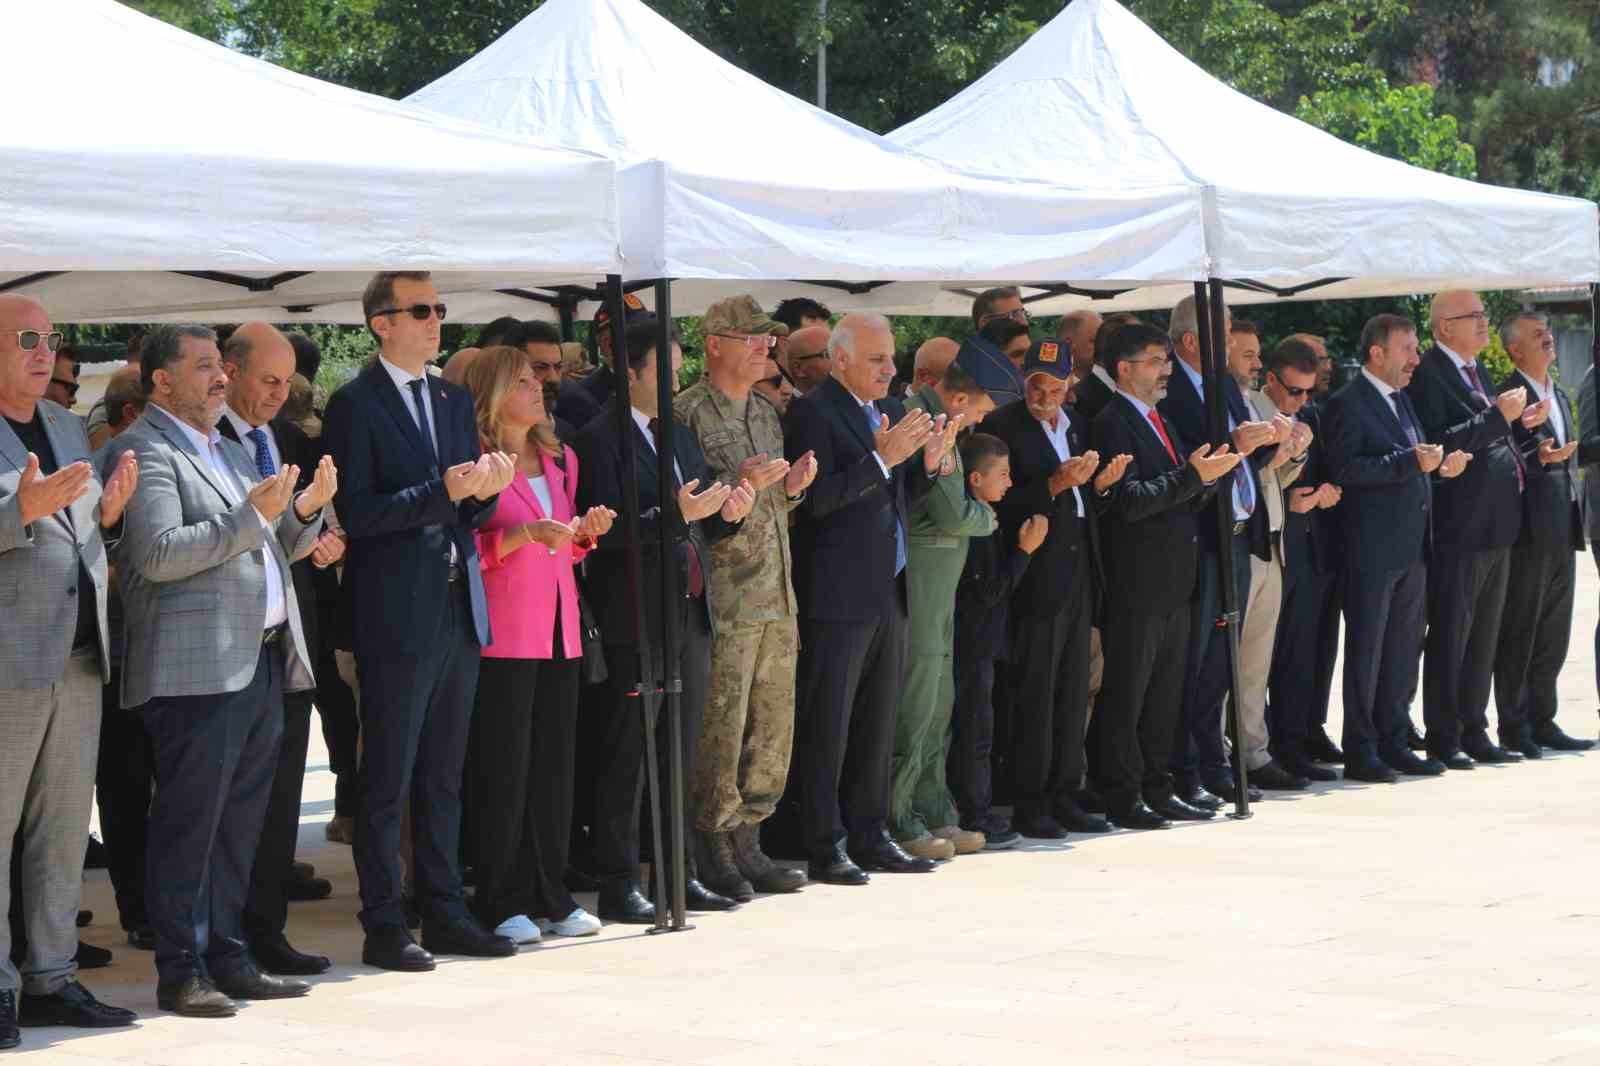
70 386
420 312
1016 314
1149 360
28 339
1477 316
752 340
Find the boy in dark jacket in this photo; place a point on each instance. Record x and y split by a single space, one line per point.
993 570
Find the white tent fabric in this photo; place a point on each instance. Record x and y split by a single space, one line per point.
725 177
162 152
1097 99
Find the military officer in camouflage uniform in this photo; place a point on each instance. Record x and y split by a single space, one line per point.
742 758
922 813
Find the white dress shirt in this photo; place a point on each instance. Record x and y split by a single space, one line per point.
243 429
541 489
209 449
402 380
642 420
1057 436
1558 417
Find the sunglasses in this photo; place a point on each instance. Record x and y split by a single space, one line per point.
70 386
28 339
752 340
1019 314
1296 392
420 312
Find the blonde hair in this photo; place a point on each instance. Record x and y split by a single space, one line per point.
492 375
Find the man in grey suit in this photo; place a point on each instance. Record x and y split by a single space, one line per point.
55 522
213 642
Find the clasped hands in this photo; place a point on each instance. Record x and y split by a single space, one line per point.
933 435
592 524
482 478
760 472
272 495
1431 457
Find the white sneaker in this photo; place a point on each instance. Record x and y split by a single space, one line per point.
579 923
518 928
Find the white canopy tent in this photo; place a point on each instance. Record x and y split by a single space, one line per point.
199 183
729 184
1096 99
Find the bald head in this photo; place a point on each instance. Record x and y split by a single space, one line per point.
1077 331
932 360
24 374
22 312
259 361
1458 322
455 371
806 357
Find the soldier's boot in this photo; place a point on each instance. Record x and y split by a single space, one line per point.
718 871
753 863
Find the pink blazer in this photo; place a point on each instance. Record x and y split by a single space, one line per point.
522 589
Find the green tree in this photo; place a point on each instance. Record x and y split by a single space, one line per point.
1396 122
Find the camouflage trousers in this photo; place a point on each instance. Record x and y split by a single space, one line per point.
742 757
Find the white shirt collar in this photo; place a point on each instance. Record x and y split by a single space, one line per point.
1062 423
402 378
1460 363
1385 389
1100 372
241 427
202 443
642 420
1194 375
1139 405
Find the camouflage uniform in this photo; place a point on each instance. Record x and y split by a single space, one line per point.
941 524
742 757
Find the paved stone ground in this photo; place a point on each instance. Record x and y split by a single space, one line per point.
1451 920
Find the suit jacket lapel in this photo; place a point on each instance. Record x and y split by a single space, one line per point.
1452 374
12 448
1144 429
855 419
389 399
178 439
1386 412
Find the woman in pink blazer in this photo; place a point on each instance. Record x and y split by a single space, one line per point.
524 726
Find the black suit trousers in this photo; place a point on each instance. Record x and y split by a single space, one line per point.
416 713
266 910
1139 702
1197 747
1535 630
1383 613
336 707
1466 596
124 781
848 684
520 782
1303 657
1052 706
215 757
618 787
968 767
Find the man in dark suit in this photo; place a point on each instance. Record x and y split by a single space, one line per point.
1537 623
849 546
1051 613
1150 550
1379 457
1478 518
578 404
415 483
1201 772
259 362
704 511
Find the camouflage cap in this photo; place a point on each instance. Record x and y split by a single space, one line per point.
740 314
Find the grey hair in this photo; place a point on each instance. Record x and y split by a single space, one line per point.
1184 320
1072 322
161 348
843 337
1511 326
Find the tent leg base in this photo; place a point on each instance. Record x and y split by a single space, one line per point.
1240 816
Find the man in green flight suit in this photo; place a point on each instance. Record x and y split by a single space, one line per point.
742 757
922 813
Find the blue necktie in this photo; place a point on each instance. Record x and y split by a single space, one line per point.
874 420
422 419
264 467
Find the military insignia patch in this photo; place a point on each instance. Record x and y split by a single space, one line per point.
1048 352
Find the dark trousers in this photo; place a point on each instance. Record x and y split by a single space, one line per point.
1197 747
215 756
1303 658
1052 707
336 707
1466 596
968 769
848 692
619 784
1383 612
520 779
124 780
1535 630
415 716
266 910
1138 706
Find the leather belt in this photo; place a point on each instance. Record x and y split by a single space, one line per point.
1240 527
273 635
1275 537
456 574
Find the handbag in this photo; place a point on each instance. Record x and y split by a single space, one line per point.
593 671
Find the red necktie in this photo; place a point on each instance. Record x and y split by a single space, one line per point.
1161 429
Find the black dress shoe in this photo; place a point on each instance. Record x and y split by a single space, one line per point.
697 897
279 956
1039 827
1139 816
85 918
1552 736
72 1004
195 997
1275 778
1307 769
1414 739
1090 800
1528 748
91 957
837 869
142 937
1455 759
464 936
623 902
1076 819
10 1035
1413 765
1176 810
307 889
885 856
248 982
391 948
1372 770
1200 796
1321 748
1485 750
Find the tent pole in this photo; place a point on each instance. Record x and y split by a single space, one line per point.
1212 318
567 309
645 691
1594 329
671 600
